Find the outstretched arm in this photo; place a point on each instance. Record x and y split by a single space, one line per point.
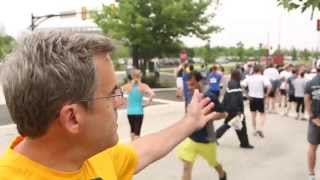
155 146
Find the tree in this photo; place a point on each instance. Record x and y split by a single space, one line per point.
294 54
305 54
303 5
240 51
152 28
6 44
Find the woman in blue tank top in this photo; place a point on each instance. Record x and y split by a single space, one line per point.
136 90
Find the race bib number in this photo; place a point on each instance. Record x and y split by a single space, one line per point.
213 80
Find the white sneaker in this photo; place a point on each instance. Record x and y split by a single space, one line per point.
312 177
303 117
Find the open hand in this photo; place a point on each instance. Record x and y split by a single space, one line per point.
199 110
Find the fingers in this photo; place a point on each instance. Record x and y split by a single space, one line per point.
204 102
197 96
316 122
208 108
209 116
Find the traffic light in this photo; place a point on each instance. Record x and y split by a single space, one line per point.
84 13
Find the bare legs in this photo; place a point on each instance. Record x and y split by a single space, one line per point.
312 156
187 170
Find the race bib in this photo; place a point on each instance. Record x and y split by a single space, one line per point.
213 80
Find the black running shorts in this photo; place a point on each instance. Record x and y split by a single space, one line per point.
135 123
257 104
292 98
313 133
283 92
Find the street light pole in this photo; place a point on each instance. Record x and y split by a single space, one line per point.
37 20
32 22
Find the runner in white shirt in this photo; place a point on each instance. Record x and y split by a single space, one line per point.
274 77
256 84
299 85
284 76
309 76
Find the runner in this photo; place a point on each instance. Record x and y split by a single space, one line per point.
273 76
136 90
256 84
201 142
284 76
214 79
299 85
233 104
186 92
312 99
223 81
291 100
179 82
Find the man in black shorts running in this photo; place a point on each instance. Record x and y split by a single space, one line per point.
256 84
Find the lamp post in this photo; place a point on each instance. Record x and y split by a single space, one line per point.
37 20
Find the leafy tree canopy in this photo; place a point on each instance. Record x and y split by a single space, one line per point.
6 44
303 5
152 28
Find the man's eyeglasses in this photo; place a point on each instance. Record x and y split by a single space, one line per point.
118 93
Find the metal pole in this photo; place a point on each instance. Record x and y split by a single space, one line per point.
32 22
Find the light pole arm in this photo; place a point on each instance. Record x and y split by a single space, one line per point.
37 20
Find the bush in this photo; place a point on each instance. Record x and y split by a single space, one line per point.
151 81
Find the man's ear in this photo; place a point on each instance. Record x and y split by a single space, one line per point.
69 119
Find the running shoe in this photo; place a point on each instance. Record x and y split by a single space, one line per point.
249 146
260 133
224 177
312 177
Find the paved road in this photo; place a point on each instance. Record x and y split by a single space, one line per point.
281 155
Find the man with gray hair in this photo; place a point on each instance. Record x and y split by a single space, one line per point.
60 89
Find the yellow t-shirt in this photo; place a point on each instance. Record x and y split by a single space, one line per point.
117 163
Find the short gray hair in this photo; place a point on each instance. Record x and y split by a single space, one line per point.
46 70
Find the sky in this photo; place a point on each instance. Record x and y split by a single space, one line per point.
249 21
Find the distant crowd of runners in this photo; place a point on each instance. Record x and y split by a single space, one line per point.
287 90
